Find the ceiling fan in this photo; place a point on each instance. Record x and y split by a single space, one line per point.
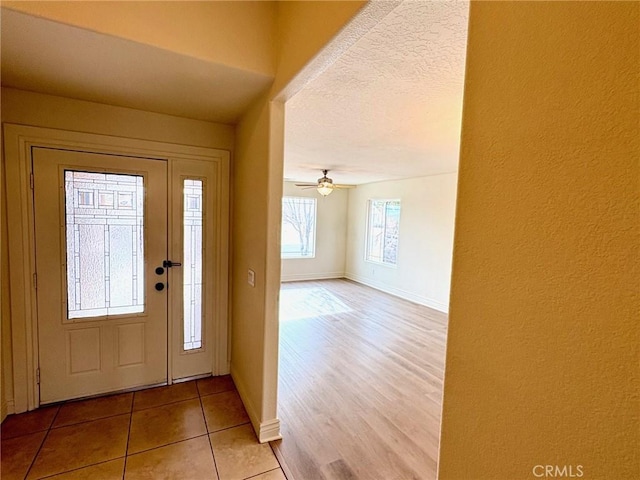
324 185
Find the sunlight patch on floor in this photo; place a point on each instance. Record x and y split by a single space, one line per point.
299 303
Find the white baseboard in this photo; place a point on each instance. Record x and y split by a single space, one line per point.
298 277
266 431
398 292
269 431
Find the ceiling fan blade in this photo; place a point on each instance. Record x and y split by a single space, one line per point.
326 181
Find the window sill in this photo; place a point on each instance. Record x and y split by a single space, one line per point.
382 264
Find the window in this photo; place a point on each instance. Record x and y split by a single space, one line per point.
192 263
382 231
104 243
298 227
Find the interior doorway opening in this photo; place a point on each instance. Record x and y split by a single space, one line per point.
369 302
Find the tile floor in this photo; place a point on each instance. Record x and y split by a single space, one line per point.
194 430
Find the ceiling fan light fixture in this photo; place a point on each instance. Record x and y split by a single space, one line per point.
325 188
324 185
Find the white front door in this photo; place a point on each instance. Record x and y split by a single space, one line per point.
100 241
152 201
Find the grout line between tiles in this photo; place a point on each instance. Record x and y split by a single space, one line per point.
88 420
206 426
198 388
25 434
80 468
126 448
44 439
217 393
165 404
229 428
166 445
262 473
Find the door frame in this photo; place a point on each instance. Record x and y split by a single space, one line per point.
19 140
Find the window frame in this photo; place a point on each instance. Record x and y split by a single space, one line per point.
314 234
368 233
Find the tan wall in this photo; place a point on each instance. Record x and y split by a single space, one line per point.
29 108
62 113
231 33
331 237
542 355
249 236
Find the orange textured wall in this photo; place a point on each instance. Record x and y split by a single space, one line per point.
542 356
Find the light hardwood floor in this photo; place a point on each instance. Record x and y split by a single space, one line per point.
360 383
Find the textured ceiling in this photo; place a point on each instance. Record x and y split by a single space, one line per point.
390 107
49 57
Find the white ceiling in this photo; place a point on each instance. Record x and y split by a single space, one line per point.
49 57
390 107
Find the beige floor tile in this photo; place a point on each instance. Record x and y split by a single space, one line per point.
188 460
18 453
76 446
224 410
239 455
93 409
272 475
30 422
207 386
111 470
155 397
159 426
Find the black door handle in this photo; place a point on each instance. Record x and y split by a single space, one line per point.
169 264
159 286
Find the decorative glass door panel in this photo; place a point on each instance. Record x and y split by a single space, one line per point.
104 243
192 264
